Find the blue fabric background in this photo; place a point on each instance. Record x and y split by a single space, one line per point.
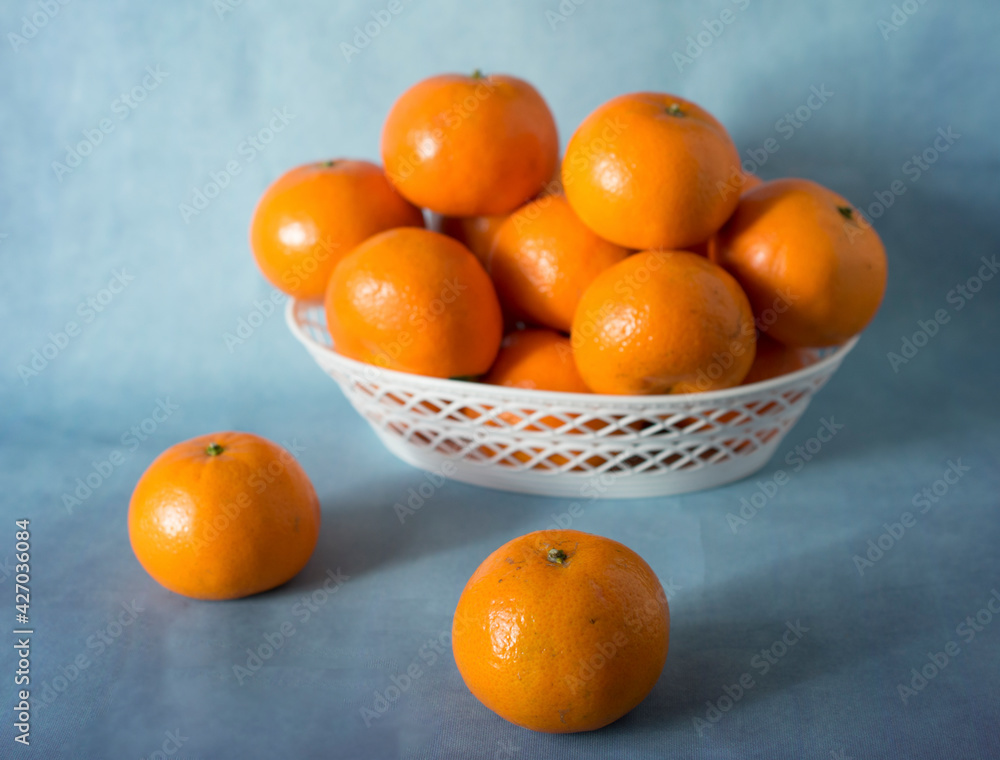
167 677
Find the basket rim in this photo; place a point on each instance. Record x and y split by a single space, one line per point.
826 364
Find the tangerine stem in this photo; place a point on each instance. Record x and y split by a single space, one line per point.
675 110
557 555
477 74
213 449
846 211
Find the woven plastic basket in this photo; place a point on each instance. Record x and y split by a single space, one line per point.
568 444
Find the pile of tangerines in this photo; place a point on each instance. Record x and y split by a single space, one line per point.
644 262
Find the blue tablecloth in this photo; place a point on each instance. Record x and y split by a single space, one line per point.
855 614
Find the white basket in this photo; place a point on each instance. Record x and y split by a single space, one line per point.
568 444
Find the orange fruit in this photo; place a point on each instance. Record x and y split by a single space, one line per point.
474 232
663 322
538 359
750 181
813 268
561 631
644 169
223 516
313 215
554 186
774 359
415 301
542 360
543 258
744 183
470 145
477 232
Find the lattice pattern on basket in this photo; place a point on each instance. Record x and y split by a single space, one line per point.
559 433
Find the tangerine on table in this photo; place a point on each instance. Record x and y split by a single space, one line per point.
561 631
644 171
313 215
663 322
543 258
815 271
470 145
415 301
223 516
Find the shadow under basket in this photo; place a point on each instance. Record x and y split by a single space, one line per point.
574 445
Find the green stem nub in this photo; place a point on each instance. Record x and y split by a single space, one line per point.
478 74
213 449
675 110
328 164
557 555
847 212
